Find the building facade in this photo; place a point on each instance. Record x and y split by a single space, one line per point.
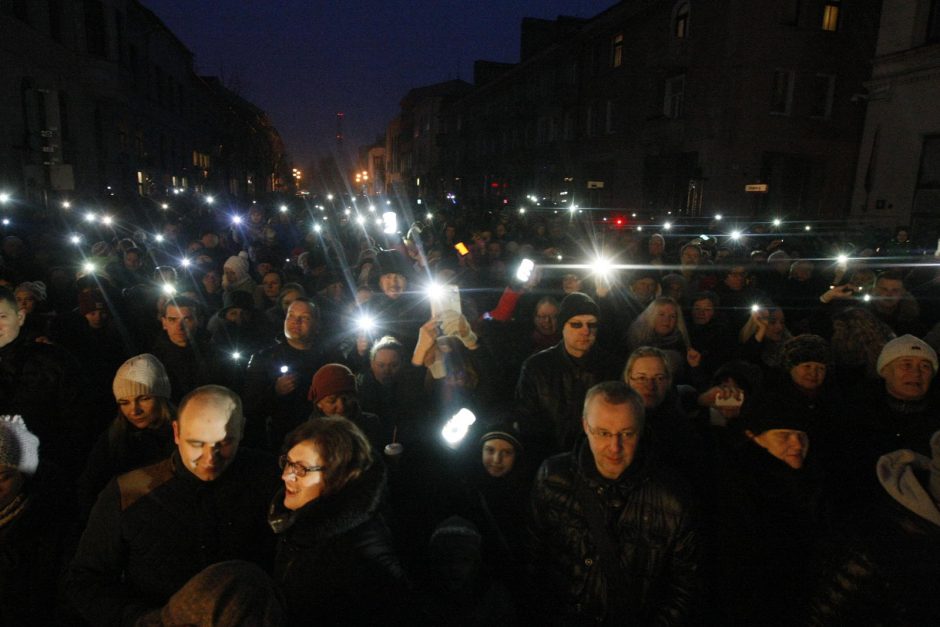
99 98
898 176
663 106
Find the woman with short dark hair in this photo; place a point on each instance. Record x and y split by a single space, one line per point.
334 556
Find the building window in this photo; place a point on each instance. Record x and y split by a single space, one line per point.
680 21
96 30
928 176
933 23
781 95
823 91
616 50
830 17
673 96
610 117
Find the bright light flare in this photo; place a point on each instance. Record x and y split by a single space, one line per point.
365 323
317 228
435 291
66 204
284 369
842 259
90 217
75 239
602 267
391 222
236 220
283 208
807 228
667 225
169 289
718 217
107 220
456 429
735 235
777 221
88 267
185 262
210 200
524 273
159 237
360 219
4 198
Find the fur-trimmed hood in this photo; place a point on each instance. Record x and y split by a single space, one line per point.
333 515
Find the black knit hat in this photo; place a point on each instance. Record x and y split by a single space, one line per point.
767 413
391 262
502 432
803 348
577 304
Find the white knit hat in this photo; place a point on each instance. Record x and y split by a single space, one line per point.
19 448
238 265
142 375
906 346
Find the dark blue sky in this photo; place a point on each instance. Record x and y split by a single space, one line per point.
304 60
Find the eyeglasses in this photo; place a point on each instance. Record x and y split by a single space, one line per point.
296 468
592 326
608 436
657 380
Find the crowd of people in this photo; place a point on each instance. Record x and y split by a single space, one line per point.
507 419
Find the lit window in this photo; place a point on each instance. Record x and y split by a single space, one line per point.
830 19
616 50
680 23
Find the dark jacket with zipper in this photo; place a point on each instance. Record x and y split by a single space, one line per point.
651 523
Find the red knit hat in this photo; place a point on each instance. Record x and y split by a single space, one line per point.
330 380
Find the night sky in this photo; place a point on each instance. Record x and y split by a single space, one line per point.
304 60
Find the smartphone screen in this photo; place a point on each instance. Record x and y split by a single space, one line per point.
462 248
449 300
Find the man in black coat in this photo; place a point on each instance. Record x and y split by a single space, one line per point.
612 538
183 348
155 528
279 376
43 383
552 383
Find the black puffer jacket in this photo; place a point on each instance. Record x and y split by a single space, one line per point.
335 560
550 394
656 532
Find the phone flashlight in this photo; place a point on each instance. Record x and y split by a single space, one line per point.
524 273
284 369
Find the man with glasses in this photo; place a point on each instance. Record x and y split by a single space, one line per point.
156 528
553 382
612 538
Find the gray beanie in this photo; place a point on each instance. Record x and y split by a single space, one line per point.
142 375
19 448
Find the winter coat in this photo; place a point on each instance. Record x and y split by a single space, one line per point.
187 367
768 523
654 529
888 571
335 561
121 448
44 384
550 394
32 539
271 417
154 528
